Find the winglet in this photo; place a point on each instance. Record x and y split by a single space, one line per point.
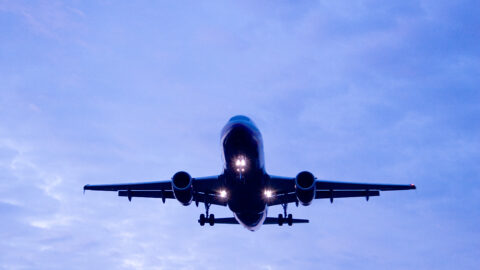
413 186
84 188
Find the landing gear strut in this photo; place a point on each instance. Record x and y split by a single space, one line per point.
285 218
210 218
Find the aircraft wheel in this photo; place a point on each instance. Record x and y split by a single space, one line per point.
280 219
290 219
201 220
211 219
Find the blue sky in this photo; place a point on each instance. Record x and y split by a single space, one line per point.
114 91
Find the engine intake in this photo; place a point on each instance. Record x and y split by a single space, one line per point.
305 187
182 187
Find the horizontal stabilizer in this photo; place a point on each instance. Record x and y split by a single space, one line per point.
272 220
227 220
268 221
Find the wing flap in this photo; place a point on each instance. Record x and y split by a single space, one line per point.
322 194
345 194
167 194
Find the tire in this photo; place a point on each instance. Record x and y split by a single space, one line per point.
280 219
290 219
211 219
201 220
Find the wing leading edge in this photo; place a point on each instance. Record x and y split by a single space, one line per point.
333 185
284 188
157 185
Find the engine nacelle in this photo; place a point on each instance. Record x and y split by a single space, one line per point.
305 187
182 187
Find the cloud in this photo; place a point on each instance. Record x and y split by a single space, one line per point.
122 92
49 19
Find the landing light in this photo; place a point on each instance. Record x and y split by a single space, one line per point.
268 193
240 163
223 193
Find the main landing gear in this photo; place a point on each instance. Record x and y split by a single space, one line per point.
206 217
285 218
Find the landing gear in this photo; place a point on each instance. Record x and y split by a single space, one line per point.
207 207
210 218
201 220
290 220
285 218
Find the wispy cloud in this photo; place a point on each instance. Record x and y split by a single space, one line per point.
120 91
49 19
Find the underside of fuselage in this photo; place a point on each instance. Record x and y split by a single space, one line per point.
244 171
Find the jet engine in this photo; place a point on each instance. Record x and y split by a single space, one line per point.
182 187
305 187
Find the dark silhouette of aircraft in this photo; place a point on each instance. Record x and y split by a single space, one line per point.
244 186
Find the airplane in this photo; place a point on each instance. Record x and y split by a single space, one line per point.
245 186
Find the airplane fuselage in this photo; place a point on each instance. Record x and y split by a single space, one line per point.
244 171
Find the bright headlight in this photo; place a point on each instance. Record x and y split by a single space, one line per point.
240 163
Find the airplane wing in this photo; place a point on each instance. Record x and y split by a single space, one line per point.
157 185
328 185
204 189
284 189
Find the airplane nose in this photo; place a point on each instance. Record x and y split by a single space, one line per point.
239 132
240 118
